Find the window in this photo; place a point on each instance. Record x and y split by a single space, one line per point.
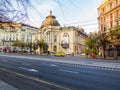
55 38
117 2
101 27
117 13
103 10
111 24
55 48
104 28
111 17
111 6
118 22
104 19
48 36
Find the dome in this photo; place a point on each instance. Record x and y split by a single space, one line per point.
50 20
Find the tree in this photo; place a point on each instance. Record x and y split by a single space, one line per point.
92 43
115 34
103 41
14 11
29 45
19 44
42 45
18 10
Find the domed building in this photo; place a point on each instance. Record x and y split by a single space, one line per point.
50 20
68 39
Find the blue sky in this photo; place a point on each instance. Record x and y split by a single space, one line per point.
82 13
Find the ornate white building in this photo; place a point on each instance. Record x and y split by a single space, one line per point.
68 39
11 32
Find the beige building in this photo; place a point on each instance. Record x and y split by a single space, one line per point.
109 17
108 14
68 39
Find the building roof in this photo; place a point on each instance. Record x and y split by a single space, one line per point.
50 20
102 3
15 24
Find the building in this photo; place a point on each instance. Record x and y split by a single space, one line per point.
109 17
12 31
68 39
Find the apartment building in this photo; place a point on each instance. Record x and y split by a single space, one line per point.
108 15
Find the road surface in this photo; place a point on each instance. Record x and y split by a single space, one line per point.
30 74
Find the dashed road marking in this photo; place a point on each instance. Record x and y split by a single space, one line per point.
63 70
29 69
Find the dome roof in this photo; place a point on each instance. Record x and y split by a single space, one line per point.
50 20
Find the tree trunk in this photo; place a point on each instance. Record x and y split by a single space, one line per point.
40 50
104 56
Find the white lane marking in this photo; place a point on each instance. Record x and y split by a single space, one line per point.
29 69
68 71
33 70
53 65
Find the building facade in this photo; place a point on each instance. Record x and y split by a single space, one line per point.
108 18
11 32
108 15
68 39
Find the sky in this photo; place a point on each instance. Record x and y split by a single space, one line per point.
79 13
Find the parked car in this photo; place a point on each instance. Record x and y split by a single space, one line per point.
60 54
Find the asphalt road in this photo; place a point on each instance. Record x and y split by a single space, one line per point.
29 74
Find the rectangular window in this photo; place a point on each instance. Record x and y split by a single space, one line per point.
111 24
111 17
117 2
111 6
103 10
117 22
104 29
117 13
55 38
101 27
104 19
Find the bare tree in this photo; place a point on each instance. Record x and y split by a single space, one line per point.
17 10
14 10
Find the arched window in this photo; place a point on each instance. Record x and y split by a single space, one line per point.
55 48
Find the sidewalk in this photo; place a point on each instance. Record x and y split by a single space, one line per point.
5 86
88 62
